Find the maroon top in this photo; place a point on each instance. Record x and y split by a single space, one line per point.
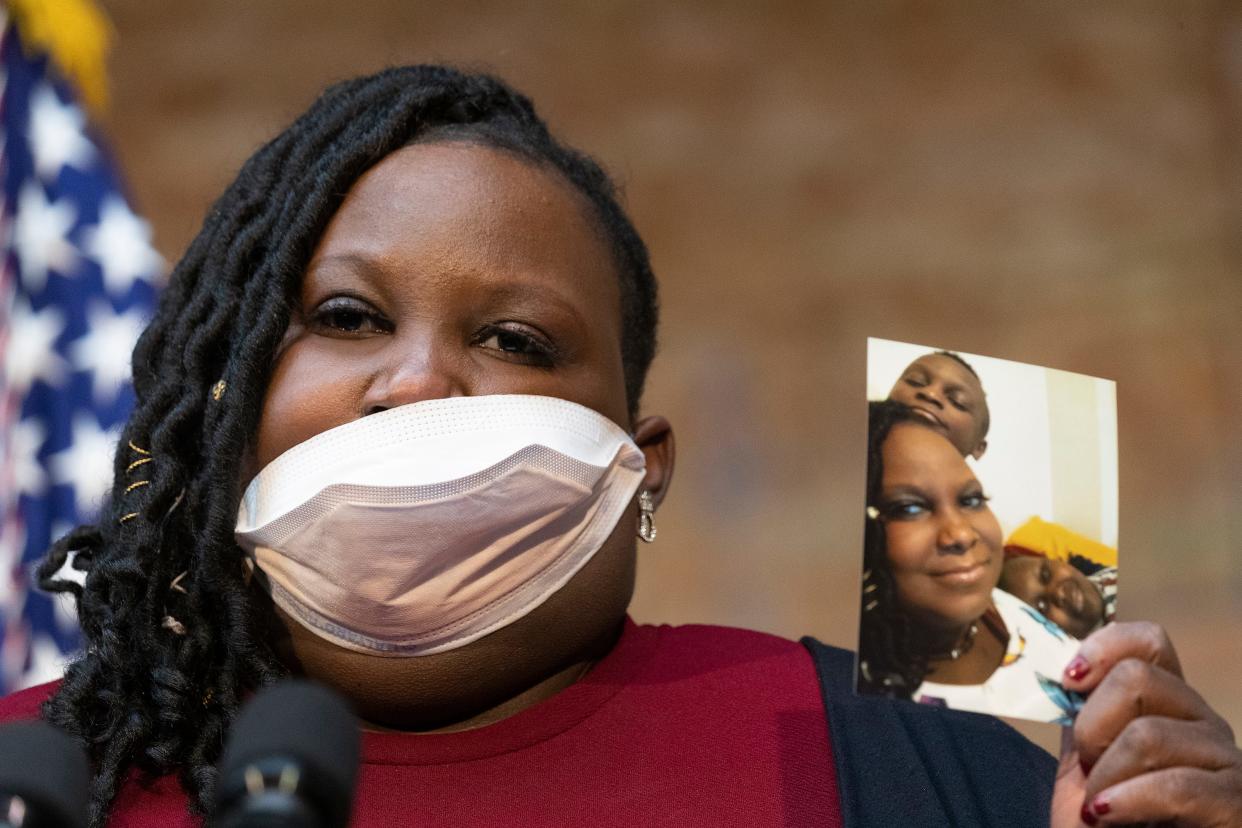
692 725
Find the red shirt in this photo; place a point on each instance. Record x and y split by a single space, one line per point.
680 726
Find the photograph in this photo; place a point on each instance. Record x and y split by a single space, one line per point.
990 544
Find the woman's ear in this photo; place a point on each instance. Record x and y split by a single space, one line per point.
654 436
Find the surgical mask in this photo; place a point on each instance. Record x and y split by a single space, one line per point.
425 527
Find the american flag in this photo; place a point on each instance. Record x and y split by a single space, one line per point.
77 284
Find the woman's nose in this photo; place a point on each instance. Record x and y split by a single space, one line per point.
957 534
411 374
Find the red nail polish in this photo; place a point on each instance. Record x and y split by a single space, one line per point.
1087 816
1078 668
1100 805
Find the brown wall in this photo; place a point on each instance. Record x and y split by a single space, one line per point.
1057 183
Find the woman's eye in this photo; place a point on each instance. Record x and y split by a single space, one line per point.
959 405
350 316
904 510
1045 574
975 500
526 347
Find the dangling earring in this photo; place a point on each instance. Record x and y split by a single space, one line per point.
646 517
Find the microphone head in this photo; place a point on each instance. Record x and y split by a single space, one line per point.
48 770
295 743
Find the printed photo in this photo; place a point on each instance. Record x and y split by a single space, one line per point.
990 540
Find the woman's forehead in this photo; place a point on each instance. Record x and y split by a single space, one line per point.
454 208
915 453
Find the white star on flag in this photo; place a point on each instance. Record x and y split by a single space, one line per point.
47 662
106 347
11 545
56 134
86 464
121 243
31 352
28 474
41 237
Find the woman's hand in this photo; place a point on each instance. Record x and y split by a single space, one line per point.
1145 747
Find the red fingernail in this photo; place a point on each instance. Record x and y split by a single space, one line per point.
1100 805
1087 816
1078 668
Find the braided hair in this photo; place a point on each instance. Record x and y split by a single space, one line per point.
175 638
889 663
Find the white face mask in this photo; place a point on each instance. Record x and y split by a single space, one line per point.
424 527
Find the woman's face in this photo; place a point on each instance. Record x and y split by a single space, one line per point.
453 269
1063 594
943 543
950 398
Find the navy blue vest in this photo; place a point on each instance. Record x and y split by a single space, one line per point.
905 764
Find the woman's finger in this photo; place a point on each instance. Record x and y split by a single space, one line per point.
1186 797
1132 690
1154 743
1105 648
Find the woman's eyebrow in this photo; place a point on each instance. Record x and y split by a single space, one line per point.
901 489
354 264
525 294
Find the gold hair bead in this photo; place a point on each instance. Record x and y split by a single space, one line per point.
136 464
217 390
127 517
136 484
135 448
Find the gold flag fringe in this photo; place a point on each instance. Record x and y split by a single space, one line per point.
75 34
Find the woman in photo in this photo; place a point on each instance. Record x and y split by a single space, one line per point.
935 628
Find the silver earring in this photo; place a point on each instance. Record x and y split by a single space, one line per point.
646 517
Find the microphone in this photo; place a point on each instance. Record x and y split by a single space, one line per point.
44 777
290 762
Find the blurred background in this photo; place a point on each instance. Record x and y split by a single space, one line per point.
1058 183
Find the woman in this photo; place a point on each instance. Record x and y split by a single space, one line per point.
418 240
935 628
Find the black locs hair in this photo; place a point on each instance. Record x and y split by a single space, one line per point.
174 638
888 661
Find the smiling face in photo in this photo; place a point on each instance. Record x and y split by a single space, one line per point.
942 391
943 543
1060 592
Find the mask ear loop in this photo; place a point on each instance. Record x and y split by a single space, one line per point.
646 517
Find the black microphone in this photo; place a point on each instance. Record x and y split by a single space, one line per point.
44 777
290 762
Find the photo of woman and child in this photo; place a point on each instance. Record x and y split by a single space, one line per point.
957 611
448 311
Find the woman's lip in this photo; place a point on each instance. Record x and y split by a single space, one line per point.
964 575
